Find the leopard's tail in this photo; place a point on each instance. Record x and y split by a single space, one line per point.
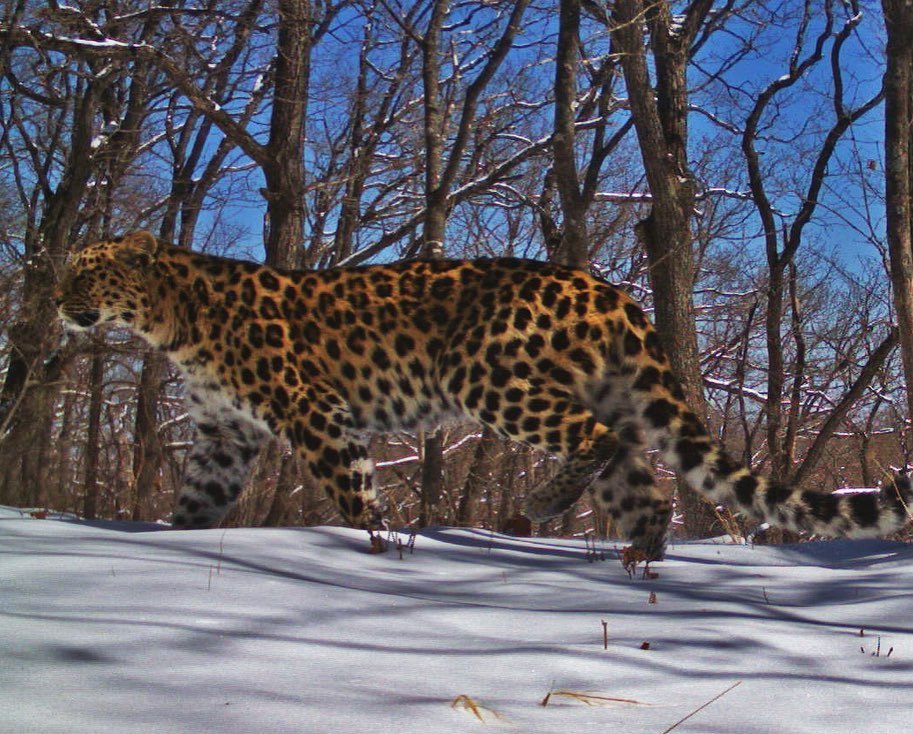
853 514
656 399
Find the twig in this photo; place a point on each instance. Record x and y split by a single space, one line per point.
701 708
221 553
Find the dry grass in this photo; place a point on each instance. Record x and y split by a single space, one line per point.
482 713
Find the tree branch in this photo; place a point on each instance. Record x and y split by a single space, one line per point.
866 375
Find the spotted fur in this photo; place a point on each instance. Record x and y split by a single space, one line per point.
543 354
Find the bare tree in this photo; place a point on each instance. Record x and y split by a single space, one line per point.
440 174
780 256
65 125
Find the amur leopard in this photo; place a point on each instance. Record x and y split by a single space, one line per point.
543 354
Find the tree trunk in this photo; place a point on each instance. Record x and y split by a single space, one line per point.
283 171
660 121
283 509
574 244
898 84
284 166
440 175
147 447
479 476
93 438
434 224
432 477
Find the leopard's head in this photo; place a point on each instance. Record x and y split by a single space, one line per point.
106 282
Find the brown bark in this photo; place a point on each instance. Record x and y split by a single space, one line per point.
570 244
799 365
660 121
432 482
147 447
93 437
283 167
898 85
434 223
574 244
479 475
283 509
435 218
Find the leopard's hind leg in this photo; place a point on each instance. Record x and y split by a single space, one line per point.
555 496
627 491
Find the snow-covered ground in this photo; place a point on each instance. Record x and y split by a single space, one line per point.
121 628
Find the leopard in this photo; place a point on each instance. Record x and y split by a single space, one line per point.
551 356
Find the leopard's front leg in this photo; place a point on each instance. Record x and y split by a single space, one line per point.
322 430
218 466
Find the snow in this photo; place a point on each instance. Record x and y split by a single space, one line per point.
120 627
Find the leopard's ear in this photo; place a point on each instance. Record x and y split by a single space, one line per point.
138 249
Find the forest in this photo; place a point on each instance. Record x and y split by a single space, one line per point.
741 167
